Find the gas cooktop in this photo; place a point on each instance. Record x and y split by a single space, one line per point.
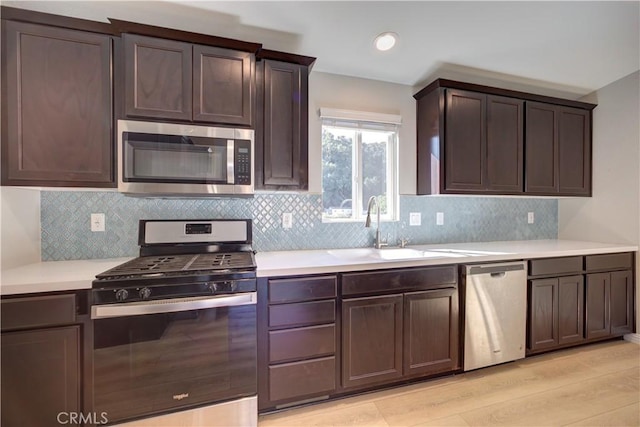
153 266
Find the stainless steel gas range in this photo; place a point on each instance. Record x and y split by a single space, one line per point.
175 328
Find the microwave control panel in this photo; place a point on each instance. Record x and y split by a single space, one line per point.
243 167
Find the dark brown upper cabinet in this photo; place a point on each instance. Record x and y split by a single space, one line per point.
175 80
474 139
282 130
558 150
57 106
482 143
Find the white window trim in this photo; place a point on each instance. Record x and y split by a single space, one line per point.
360 116
351 118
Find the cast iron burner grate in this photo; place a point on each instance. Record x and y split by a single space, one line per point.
181 263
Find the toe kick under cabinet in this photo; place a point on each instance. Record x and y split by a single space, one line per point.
578 299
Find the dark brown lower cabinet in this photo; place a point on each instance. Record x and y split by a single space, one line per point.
593 299
555 312
386 338
371 340
609 304
430 331
598 297
621 302
570 309
308 377
297 340
41 375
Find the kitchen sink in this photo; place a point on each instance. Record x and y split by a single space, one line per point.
388 254
399 253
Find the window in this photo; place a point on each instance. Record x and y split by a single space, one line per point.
359 160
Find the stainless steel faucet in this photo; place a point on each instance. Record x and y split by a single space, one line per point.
379 243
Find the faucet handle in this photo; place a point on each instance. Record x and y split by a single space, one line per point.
403 242
385 241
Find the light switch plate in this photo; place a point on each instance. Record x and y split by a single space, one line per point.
97 222
439 218
531 218
287 220
415 218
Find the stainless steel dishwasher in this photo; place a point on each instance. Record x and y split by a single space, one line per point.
495 313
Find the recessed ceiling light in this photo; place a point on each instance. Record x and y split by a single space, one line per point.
385 41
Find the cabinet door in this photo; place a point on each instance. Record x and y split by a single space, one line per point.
57 98
371 340
543 314
222 85
430 332
40 376
465 140
574 151
158 77
541 149
598 305
505 144
621 306
570 309
282 127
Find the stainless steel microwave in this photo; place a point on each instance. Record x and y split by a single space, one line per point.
166 159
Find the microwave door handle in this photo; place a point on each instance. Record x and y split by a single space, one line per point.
164 146
230 161
171 305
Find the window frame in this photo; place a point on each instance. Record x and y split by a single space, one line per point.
361 122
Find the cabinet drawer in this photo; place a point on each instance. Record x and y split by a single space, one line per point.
302 289
300 379
302 343
396 280
30 312
302 314
609 261
552 266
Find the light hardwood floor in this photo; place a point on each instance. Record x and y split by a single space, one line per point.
594 385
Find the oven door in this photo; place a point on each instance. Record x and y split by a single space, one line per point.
160 356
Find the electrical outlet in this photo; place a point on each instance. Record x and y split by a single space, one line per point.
287 220
415 218
439 218
97 222
531 218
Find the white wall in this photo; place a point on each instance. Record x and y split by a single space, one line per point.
19 226
613 213
350 93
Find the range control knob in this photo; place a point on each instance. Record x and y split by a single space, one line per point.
122 294
145 293
213 287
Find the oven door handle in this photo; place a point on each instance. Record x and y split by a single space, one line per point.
171 305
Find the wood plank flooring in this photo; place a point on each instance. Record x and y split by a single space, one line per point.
593 385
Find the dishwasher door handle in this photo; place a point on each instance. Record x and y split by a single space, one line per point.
498 274
500 269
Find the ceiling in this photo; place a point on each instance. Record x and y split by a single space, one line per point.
575 46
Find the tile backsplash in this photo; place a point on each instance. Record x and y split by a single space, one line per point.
66 233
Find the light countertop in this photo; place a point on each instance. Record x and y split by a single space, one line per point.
53 276
290 263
